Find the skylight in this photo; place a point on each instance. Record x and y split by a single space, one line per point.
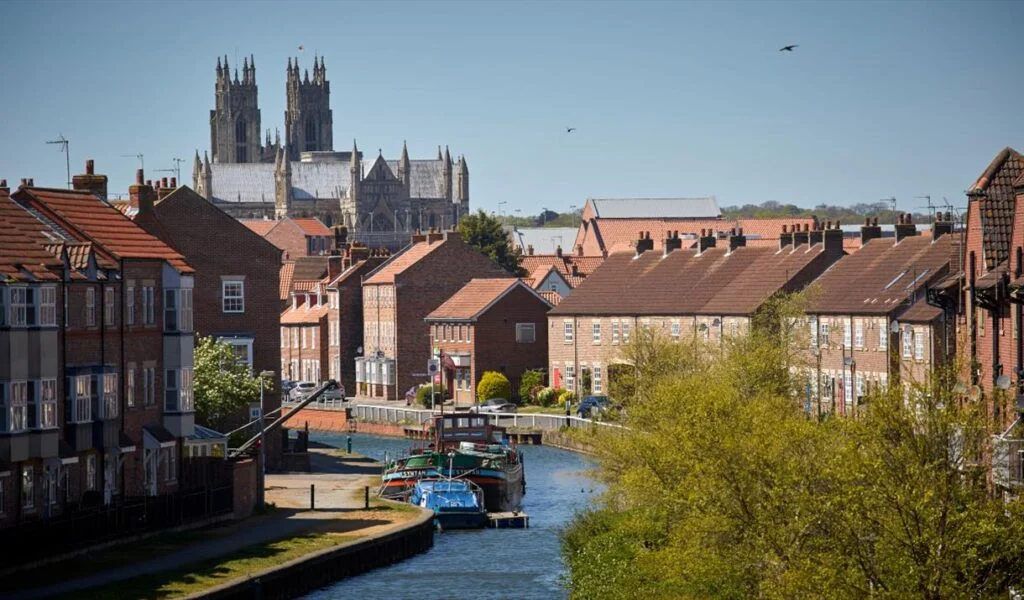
916 279
895 279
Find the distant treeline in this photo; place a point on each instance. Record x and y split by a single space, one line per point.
825 212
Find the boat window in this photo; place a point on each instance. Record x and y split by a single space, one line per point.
447 423
478 422
463 422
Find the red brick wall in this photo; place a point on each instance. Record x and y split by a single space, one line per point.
423 287
315 332
349 315
319 420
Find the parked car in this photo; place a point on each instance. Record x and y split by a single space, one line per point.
287 385
595 405
301 390
496 405
335 391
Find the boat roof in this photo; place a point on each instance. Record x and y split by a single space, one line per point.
444 485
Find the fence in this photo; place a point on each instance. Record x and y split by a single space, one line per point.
388 414
46 538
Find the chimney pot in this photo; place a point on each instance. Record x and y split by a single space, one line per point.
89 167
874 221
675 233
139 177
31 182
174 182
784 230
149 183
807 227
24 181
3 183
558 251
867 221
837 224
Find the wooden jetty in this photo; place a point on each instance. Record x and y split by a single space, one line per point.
508 520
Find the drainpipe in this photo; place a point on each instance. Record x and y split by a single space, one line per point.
1020 313
971 297
124 295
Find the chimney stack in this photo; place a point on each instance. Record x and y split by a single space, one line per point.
340 237
671 243
817 233
706 240
644 244
434 236
943 225
905 227
785 238
141 195
833 240
736 239
558 251
869 231
3 187
579 250
529 249
801 236
418 237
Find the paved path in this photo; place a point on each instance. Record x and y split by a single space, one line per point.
338 478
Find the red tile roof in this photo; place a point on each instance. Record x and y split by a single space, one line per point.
285 286
683 283
995 191
552 297
474 298
259 226
400 262
88 218
312 227
303 315
537 266
883 277
23 253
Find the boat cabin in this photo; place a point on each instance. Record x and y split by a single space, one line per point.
451 430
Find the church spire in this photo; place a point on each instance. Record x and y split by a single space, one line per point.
439 157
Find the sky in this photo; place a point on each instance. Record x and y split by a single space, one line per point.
669 99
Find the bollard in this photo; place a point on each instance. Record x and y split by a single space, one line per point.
348 444
312 496
366 496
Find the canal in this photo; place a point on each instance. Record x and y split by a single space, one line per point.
489 563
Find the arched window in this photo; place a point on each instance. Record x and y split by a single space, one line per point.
310 134
241 154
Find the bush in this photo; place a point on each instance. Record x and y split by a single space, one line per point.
423 396
531 380
566 396
493 385
549 396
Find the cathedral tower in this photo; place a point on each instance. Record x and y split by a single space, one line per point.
308 124
235 122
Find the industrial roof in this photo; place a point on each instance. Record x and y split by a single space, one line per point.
655 208
543 239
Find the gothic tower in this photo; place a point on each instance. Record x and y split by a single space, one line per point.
308 124
282 184
235 122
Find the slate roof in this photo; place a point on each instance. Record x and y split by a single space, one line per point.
883 276
682 283
543 239
23 254
426 178
102 224
994 190
473 298
303 315
655 208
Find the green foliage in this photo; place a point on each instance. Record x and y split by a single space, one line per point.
485 233
531 381
566 396
585 382
493 385
423 396
549 396
721 487
851 215
222 386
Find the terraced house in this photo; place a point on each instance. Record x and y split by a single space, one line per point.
870 321
706 292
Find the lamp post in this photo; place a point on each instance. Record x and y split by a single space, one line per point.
262 455
501 212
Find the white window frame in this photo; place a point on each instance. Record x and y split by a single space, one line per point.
80 394
109 317
90 471
171 310
858 333
570 377
129 305
185 314
186 398
90 306
823 326
28 487
567 332
148 386
626 327
596 379
596 332
48 306
615 332
812 328
172 399
302 335
883 336
109 405
675 329
46 398
233 302
521 333
847 388
21 306
129 388
908 342
918 345
469 333
847 334
16 416
239 342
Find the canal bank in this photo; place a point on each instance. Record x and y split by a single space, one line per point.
486 563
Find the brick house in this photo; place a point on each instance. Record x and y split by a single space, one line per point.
301 275
304 336
490 325
558 273
127 343
236 285
296 237
707 292
869 321
397 297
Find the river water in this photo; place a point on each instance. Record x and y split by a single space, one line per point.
489 563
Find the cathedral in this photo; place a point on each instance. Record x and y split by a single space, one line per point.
302 176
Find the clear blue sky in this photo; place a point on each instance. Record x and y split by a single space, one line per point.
670 99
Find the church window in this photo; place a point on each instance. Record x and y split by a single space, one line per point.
310 134
240 145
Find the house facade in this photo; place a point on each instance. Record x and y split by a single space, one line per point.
489 325
708 292
397 297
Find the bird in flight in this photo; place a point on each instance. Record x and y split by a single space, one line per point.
570 129
789 48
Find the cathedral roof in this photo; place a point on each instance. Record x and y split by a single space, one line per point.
426 179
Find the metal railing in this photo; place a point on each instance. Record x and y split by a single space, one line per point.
388 414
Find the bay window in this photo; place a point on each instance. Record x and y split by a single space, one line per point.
48 306
46 413
178 310
109 408
22 307
79 402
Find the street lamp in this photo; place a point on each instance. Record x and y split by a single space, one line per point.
501 213
263 429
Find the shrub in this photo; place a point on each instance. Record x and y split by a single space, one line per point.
549 396
493 385
423 396
530 381
566 396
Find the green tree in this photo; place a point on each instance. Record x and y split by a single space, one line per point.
721 487
530 381
221 384
485 233
493 385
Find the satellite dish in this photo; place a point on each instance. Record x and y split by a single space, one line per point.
975 393
894 326
1003 382
960 388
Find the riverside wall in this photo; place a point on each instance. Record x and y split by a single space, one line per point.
305 574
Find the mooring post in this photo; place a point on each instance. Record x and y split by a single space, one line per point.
348 444
366 496
312 496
